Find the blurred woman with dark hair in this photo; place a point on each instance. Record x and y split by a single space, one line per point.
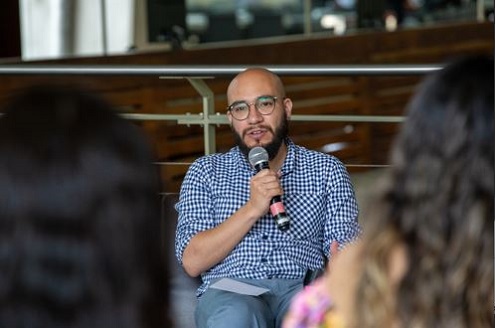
80 241
426 257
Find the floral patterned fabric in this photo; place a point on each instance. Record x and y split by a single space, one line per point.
312 308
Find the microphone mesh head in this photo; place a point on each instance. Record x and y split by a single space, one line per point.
257 155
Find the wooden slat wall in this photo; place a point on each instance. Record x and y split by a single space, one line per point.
353 143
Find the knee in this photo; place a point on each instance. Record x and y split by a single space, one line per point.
240 309
238 313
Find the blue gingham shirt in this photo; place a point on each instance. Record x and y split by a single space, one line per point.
318 198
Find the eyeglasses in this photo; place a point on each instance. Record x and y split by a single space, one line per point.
264 105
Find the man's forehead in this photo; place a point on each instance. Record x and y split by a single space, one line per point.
251 88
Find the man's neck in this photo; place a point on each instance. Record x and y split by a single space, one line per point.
277 162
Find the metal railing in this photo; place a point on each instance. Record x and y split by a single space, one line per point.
212 71
196 76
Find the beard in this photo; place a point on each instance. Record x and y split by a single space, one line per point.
272 148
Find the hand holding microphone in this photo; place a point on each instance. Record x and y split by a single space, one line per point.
258 157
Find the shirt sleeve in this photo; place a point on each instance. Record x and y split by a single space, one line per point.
342 225
194 206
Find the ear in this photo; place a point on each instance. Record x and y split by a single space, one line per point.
287 103
229 116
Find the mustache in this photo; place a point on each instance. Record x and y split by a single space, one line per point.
258 127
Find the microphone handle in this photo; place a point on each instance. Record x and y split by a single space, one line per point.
276 206
261 166
278 212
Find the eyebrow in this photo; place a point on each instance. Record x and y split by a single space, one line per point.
259 97
265 96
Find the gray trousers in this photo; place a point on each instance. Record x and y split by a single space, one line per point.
218 308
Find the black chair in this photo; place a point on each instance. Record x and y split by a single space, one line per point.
222 27
370 14
182 286
265 24
312 275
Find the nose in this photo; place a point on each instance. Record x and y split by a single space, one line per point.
254 115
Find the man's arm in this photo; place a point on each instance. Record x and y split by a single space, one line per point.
342 226
209 247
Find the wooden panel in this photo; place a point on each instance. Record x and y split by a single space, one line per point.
353 143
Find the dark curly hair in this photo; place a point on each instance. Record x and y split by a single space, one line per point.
439 204
79 215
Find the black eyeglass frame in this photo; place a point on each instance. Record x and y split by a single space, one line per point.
275 98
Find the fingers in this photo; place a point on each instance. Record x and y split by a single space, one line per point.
334 249
267 184
264 186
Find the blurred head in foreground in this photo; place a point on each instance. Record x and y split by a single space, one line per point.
426 259
79 215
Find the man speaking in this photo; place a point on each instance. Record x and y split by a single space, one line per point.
226 228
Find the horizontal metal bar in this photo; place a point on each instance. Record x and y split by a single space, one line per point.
156 117
347 118
199 71
376 166
190 119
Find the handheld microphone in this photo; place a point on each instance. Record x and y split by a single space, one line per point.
258 157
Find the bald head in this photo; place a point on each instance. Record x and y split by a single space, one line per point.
253 78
